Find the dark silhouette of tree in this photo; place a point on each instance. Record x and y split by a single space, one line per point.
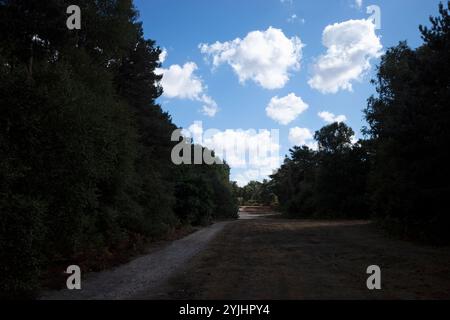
399 175
85 171
409 124
334 138
329 182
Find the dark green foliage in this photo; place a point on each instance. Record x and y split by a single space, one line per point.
334 138
194 204
330 182
409 124
85 167
225 205
400 175
205 189
257 193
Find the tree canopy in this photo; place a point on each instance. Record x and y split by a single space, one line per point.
399 174
85 170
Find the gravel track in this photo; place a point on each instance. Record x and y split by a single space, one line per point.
262 256
143 274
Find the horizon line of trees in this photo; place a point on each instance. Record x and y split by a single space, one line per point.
85 166
399 174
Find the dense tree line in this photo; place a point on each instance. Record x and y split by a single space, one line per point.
409 134
256 193
85 167
328 182
398 175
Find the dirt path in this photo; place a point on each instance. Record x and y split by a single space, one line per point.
143 274
292 259
265 257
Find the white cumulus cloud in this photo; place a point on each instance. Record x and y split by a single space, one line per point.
358 3
350 47
252 154
301 136
265 57
285 109
331 118
181 82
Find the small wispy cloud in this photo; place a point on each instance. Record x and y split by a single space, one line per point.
292 18
330 117
295 18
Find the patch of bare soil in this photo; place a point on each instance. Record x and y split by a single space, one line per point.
302 259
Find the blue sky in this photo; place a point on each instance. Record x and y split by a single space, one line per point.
181 26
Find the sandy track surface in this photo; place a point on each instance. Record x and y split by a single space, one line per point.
143 274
